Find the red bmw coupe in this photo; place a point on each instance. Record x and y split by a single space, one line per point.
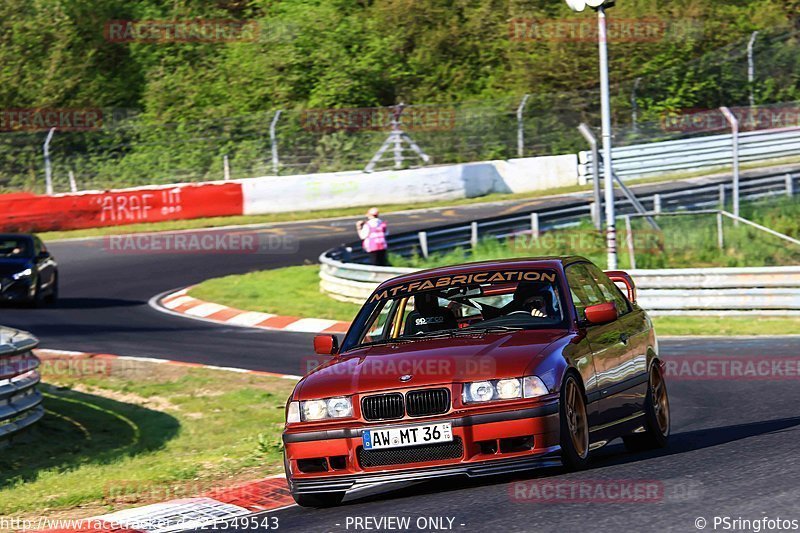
473 370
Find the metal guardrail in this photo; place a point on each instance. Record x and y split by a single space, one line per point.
643 160
343 275
20 400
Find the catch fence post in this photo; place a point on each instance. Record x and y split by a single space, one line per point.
423 243
535 225
629 239
473 238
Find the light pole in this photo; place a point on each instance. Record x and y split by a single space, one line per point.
751 69
605 110
48 169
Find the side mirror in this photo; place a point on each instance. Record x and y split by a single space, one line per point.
43 255
619 276
326 345
601 313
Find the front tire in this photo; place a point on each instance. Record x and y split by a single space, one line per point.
574 425
53 296
319 501
35 300
657 416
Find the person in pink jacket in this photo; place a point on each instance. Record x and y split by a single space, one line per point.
372 233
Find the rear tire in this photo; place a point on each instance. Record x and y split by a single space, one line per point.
574 425
319 501
656 413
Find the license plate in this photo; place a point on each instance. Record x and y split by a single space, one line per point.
397 437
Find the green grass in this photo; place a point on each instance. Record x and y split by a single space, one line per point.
726 326
123 433
292 291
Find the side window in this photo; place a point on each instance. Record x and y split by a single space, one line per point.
611 293
583 288
38 246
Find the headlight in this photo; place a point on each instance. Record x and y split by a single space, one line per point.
508 389
504 389
340 408
24 274
313 410
480 391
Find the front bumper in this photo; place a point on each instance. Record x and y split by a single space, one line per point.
339 450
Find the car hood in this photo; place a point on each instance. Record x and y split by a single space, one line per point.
429 362
12 266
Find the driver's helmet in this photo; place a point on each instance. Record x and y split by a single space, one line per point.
530 296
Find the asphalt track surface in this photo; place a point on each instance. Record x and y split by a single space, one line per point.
734 448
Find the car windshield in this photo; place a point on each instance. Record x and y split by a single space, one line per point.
445 306
13 247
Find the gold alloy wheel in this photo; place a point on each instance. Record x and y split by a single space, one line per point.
660 400
576 419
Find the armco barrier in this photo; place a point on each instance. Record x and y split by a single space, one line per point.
705 291
20 401
699 153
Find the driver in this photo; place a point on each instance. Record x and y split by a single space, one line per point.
534 299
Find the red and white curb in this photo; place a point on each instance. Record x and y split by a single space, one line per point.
215 506
181 304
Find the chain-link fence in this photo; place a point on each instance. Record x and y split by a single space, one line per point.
125 148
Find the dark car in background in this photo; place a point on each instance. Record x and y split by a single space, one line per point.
28 272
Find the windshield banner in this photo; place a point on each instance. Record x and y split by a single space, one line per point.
443 282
